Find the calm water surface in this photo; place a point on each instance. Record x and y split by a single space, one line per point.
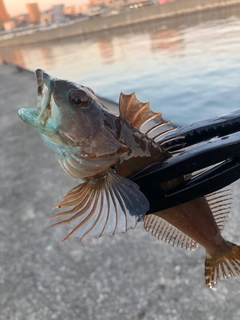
189 72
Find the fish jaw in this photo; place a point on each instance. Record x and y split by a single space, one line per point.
30 116
44 119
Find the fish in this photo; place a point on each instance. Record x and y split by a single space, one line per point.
103 149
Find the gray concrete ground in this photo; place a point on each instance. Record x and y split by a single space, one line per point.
130 276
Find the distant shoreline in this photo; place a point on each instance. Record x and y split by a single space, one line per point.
98 24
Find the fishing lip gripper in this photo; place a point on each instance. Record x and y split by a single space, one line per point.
213 143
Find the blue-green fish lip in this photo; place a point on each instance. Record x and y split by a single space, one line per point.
30 116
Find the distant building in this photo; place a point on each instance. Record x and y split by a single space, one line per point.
69 11
33 13
3 14
115 4
46 19
21 20
95 2
9 25
84 9
76 10
58 13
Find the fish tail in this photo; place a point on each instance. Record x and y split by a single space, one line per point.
225 267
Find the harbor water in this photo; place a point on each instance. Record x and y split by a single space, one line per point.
189 69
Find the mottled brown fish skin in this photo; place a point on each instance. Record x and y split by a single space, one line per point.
142 151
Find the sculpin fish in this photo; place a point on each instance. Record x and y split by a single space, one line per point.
103 150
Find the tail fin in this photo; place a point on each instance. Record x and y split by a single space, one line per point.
224 267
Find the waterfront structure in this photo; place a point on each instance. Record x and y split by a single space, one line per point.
133 4
46 18
98 10
3 14
115 4
33 13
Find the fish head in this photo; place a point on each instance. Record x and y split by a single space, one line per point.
71 116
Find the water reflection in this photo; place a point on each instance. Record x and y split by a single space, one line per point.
188 67
14 56
46 53
165 35
106 50
166 40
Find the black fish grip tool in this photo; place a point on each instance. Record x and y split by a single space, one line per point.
211 146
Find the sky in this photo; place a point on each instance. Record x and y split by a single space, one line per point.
15 7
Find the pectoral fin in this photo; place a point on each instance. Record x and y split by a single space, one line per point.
104 206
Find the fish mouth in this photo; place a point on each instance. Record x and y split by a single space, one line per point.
38 118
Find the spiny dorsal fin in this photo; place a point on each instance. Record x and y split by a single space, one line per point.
141 117
164 231
220 203
103 206
134 111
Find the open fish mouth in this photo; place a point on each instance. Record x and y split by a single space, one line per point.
38 118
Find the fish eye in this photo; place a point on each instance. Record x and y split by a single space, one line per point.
79 98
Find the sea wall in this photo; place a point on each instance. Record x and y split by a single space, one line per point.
168 10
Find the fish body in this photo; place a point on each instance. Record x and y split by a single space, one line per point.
103 150
100 148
